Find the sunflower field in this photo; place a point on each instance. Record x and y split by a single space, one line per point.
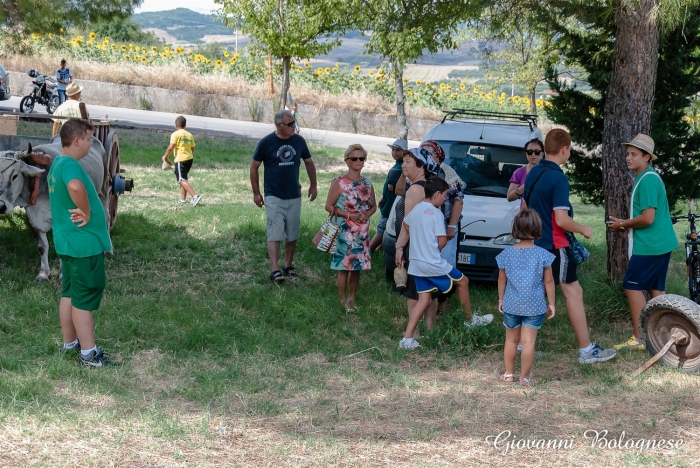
337 79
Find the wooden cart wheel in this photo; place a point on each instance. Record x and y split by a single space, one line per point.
112 148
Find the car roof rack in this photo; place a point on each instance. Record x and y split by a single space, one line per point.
453 114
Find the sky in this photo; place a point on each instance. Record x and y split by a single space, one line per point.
201 6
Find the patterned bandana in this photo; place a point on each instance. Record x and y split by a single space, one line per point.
434 149
431 167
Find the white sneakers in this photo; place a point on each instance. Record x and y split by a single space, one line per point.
408 344
196 199
479 321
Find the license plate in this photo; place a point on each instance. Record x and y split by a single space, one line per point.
465 258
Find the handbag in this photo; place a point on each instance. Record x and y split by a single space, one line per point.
400 276
579 250
325 238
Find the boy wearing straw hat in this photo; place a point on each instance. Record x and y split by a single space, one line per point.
652 237
70 108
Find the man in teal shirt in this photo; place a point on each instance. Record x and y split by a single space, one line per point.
653 238
81 239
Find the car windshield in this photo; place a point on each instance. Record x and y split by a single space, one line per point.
485 169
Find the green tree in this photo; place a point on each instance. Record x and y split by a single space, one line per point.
401 31
596 48
286 29
522 44
21 17
122 30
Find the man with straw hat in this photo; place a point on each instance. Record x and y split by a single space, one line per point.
651 239
70 108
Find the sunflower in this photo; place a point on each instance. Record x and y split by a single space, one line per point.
154 48
114 46
442 85
143 49
226 54
106 39
93 35
166 48
144 59
335 69
306 64
327 70
405 80
123 48
218 62
461 86
418 82
357 68
337 64
127 57
319 71
136 57
476 90
352 75
371 73
427 84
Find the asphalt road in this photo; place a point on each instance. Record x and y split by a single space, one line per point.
218 127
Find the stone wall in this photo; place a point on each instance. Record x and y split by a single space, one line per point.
235 108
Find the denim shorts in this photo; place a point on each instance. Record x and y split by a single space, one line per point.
512 322
381 227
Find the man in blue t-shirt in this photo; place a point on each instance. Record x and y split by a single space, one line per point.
388 194
547 192
281 153
64 77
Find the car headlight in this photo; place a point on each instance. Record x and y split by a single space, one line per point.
505 239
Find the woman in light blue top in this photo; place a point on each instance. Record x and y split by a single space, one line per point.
525 274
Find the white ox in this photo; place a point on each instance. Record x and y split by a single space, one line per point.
19 172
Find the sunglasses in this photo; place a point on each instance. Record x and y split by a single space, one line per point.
353 159
530 152
290 124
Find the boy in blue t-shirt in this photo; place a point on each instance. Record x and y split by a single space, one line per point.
81 239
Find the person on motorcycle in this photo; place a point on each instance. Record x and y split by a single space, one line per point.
70 108
64 77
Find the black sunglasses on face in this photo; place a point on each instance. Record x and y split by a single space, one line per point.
530 152
353 159
290 124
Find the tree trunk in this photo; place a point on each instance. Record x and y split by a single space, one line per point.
533 104
628 109
400 103
284 88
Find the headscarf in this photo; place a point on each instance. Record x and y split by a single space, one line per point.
422 155
434 148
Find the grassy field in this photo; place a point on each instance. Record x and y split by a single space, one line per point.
223 368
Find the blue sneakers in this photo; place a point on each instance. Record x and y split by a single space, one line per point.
597 354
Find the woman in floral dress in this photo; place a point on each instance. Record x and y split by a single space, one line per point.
351 197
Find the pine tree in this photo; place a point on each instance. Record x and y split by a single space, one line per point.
592 48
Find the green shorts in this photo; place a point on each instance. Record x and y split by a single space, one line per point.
84 280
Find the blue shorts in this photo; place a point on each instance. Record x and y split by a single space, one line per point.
647 272
533 322
381 227
441 284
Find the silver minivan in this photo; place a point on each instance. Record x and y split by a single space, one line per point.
484 148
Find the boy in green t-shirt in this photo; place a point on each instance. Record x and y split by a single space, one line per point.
182 146
653 238
81 238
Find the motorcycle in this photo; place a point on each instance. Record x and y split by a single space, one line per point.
43 92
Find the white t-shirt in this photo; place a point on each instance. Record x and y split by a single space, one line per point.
425 224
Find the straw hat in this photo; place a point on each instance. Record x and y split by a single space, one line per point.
73 89
644 143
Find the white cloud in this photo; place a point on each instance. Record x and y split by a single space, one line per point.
201 6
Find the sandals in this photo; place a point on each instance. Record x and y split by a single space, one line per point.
276 277
290 273
508 378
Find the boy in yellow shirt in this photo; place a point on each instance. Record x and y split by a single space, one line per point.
182 144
